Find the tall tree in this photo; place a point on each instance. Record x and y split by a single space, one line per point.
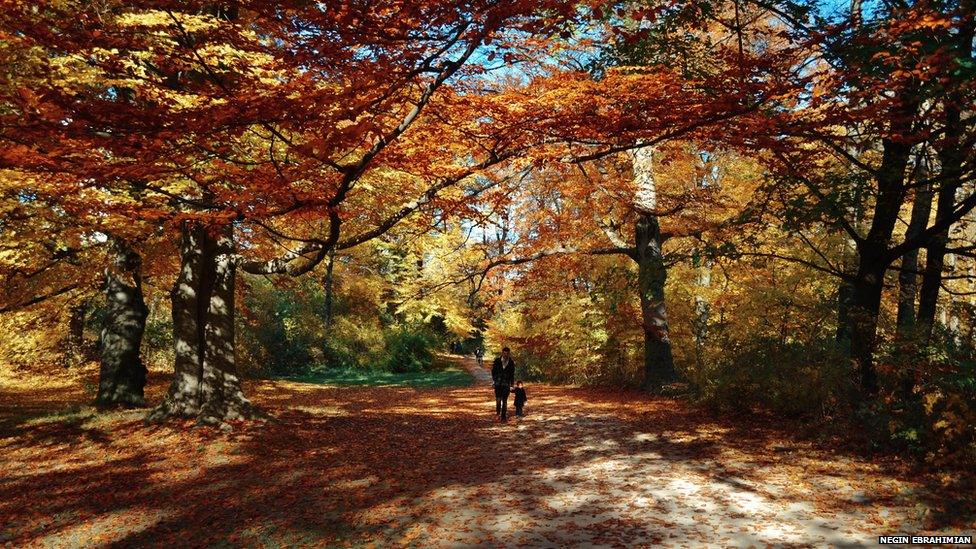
868 92
217 132
908 274
953 159
122 376
651 274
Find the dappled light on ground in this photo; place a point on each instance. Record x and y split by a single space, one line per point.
432 467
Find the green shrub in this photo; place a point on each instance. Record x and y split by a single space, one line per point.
927 405
790 377
282 330
408 349
283 333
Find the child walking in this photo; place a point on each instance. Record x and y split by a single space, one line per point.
519 399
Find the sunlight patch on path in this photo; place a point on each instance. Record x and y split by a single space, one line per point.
397 466
481 375
673 504
105 529
608 494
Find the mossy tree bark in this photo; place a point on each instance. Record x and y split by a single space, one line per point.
651 278
652 274
122 374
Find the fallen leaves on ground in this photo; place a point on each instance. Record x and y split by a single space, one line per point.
393 465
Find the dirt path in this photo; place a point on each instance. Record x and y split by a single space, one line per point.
481 374
398 466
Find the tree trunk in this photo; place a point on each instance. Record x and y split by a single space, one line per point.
935 263
329 282
872 257
702 310
971 306
205 383
845 299
908 277
651 278
74 344
652 274
863 323
122 376
703 264
951 157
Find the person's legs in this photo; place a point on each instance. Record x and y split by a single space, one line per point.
504 398
498 400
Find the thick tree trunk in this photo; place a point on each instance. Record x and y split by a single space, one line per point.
205 384
873 262
186 299
652 274
863 322
908 277
651 278
122 376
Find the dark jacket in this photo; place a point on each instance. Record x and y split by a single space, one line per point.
503 375
520 397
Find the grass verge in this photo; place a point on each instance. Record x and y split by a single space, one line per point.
444 377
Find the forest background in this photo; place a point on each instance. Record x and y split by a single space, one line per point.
754 205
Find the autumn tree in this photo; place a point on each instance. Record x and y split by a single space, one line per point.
238 123
580 217
57 255
667 76
44 264
883 84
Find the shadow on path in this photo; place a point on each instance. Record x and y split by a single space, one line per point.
395 465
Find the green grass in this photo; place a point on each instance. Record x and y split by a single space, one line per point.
450 376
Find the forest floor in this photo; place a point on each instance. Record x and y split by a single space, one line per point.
399 465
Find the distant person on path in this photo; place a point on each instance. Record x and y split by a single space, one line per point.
503 376
479 354
519 399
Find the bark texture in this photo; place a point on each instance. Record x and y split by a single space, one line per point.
908 277
651 279
206 385
122 374
873 258
652 275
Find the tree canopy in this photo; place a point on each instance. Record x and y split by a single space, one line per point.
644 193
